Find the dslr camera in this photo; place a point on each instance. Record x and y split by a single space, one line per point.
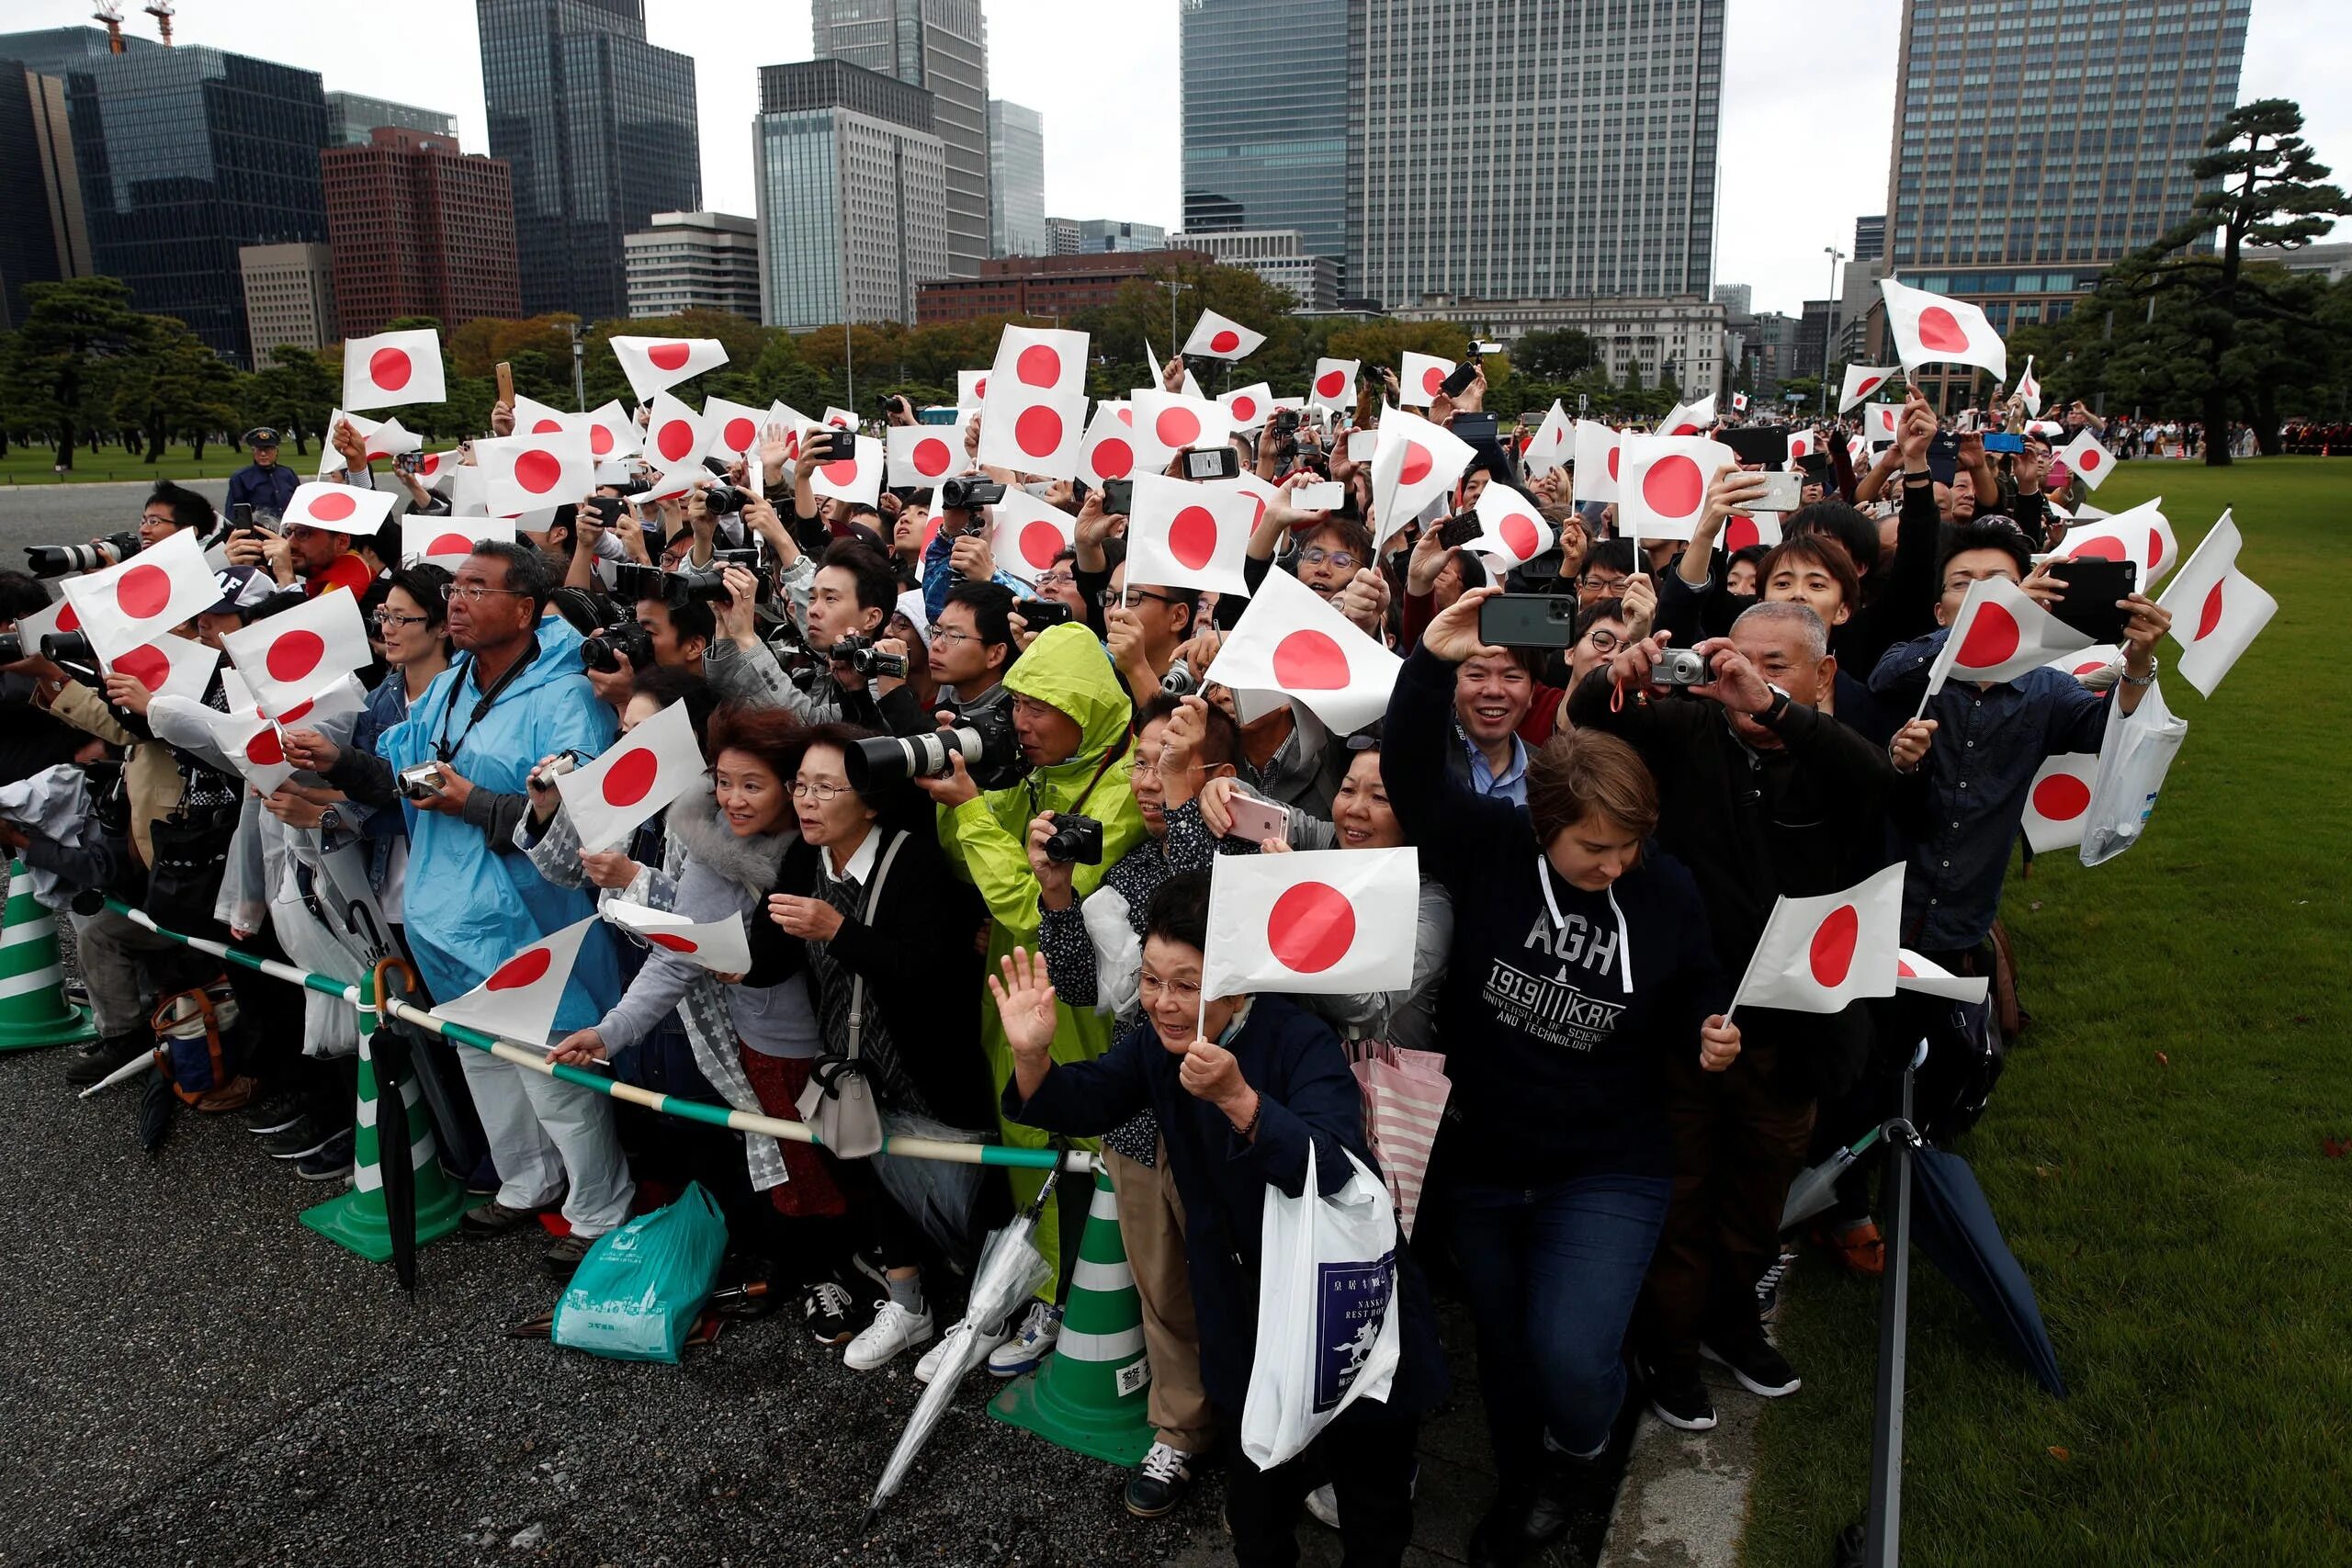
68 647
1075 839
858 652
990 751
57 560
619 641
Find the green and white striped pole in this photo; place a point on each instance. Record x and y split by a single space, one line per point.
33 1008
1091 1397
358 1219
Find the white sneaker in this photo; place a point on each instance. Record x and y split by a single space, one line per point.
1323 1504
1027 1351
928 1368
894 1329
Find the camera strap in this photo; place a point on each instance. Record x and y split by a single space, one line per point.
446 749
1110 757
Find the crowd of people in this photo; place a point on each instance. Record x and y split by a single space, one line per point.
1009 944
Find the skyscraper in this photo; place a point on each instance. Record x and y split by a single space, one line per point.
940 46
1016 181
1265 99
2036 141
351 116
599 129
418 230
1532 149
46 239
1869 237
185 155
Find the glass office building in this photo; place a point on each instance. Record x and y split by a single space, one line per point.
185 155
599 128
940 46
351 116
1016 181
1265 103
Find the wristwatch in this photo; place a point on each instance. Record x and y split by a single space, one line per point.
1780 704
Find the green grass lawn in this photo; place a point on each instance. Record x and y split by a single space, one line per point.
37 465
2155 1154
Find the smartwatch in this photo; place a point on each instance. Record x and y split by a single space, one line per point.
1771 715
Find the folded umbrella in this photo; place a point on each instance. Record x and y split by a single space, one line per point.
1958 1233
1815 1189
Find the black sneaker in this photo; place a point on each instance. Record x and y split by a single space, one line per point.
1679 1398
868 1262
562 1260
275 1114
330 1162
99 1062
1159 1482
304 1138
493 1219
1761 1370
825 1310
1520 1522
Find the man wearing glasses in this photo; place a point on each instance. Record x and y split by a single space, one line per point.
971 648
1144 626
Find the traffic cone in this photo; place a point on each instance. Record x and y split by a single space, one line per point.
1089 1397
358 1219
33 1008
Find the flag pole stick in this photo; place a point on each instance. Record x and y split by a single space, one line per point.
1749 972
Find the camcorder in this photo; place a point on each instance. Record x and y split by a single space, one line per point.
965 493
558 765
1036 614
422 781
57 560
858 651
990 749
1075 840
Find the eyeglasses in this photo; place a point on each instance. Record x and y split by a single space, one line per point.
1056 579
1316 555
385 618
1159 765
822 790
1110 596
1602 639
1594 580
474 592
937 636
1151 985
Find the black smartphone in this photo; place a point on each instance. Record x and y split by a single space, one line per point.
1214 463
1460 529
1118 496
608 508
1463 374
242 515
1765 443
1478 427
2093 586
1943 457
1529 620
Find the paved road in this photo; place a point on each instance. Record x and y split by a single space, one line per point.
68 514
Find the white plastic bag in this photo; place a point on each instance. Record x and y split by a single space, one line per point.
1327 1312
2133 757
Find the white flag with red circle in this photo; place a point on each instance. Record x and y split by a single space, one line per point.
1420 379
1914 972
1249 407
1861 380
2058 801
720 946
1291 640
1597 461
1334 383
637 775
1858 452
612 434
794 421
840 418
653 363
337 509
331 460
1221 337
1881 422
675 435
391 439
2086 460
918 455
438 470
133 603
730 429
2030 390
1415 462
856 479
1189 535
2216 610
253 743
1117 449
1029 534
2142 535
1688 419
1513 531
971 391
1818 955
445 542
525 473
1034 413
391 369
520 998
1662 484
2085 663
1744 530
535 418
1739 402
1999 634
288 659
170 666
1802 443
1932 330
1554 445
1324 921
1179 423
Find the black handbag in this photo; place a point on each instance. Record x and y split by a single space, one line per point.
190 853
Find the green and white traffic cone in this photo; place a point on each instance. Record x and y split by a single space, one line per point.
358 1219
33 1008
1089 1397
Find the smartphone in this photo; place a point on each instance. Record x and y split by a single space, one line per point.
1257 820
506 383
1529 620
607 510
1362 445
1328 496
407 462
1476 427
1460 529
1118 496
1781 492
1216 463
1456 383
241 515
1766 444
1998 441
2093 586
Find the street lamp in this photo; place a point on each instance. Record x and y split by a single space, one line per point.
1828 324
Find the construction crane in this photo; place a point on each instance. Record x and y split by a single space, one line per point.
110 13
161 11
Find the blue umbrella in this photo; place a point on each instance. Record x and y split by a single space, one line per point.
1958 1233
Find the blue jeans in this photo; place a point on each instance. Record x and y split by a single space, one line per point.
1553 1273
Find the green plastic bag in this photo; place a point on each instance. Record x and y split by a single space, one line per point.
637 1292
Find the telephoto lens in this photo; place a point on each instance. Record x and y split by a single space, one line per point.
67 648
57 560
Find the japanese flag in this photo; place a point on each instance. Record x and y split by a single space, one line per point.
1290 641
1742 530
1999 634
1597 459
1554 445
535 418
856 479
290 657
2216 609
1334 382
674 434
638 775
520 997
170 666
1688 419
612 434
1189 535
1931 329
652 363
1249 408
1916 973
730 430
1858 452
720 946
390 439
841 419
1739 402
439 469
1880 421
1514 532
392 368
1217 337
332 461
1415 462
1115 448
2086 662
251 742
971 390
1662 484
2029 389
1029 532
1421 377
920 456
2058 803
131 603
2088 459
338 509
1802 443
2142 534
1817 955
1321 920
447 541
1034 413
1861 380
524 473
1179 423
794 421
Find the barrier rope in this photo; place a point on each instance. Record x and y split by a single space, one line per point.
535 1059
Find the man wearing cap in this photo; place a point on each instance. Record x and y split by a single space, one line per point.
262 484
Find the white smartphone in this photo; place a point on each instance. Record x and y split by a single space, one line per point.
1328 496
1362 445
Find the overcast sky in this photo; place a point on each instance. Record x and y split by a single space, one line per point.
1808 96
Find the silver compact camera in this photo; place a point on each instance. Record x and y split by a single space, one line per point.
559 764
1679 667
422 781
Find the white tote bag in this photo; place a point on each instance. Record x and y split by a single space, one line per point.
1327 1312
2134 758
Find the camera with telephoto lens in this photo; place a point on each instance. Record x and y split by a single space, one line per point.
620 641
1036 614
720 500
558 765
858 652
1679 667
965 493
422 781
68 647
990 749
56 561
1075 839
